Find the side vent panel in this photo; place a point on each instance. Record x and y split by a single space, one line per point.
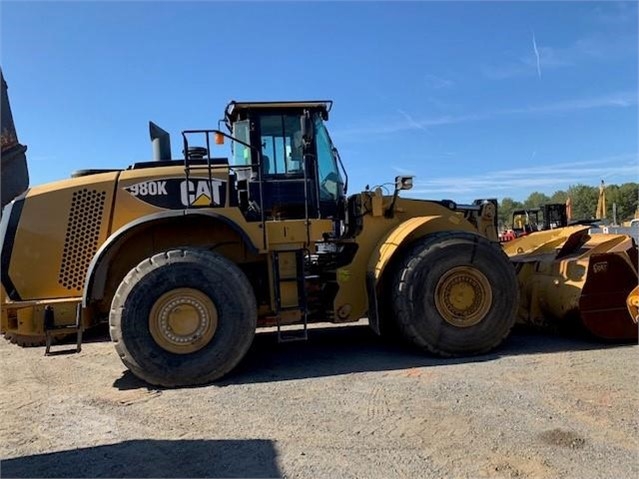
81 243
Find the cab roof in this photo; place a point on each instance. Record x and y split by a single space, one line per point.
234 107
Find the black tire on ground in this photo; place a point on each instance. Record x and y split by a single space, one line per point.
209 273
414 284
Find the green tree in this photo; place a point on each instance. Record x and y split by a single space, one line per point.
506 208
536 199
612 197
584 201
559 197
627 199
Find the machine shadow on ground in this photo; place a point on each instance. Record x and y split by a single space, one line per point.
153 458
334 351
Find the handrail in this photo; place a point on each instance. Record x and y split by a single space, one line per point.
187 167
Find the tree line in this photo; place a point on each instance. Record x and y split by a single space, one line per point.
583 199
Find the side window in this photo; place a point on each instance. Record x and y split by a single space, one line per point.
241 153
281 140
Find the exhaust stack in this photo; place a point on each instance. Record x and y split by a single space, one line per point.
161 141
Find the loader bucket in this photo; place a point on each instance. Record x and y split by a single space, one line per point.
602 305
15 176
567 273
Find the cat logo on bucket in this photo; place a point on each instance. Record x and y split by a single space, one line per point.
178 193
600 267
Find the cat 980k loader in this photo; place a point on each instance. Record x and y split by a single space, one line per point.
186 257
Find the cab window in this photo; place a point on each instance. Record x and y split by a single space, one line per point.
281 140
241 154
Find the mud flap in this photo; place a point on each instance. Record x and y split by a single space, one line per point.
373 309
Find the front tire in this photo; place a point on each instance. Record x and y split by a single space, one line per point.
183 317
454 294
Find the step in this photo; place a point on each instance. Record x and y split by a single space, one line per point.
290 335
70 329
50 329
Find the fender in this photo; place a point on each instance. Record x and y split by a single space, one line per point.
96 274
393 242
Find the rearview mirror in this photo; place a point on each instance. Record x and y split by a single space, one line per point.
403 182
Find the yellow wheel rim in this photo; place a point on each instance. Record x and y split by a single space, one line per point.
183 320
463 296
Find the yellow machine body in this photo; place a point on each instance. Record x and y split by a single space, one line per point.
185 258
567 273
84 234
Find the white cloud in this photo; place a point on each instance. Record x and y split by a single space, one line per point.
411 121
408 122
615 14
436 82
547 178
615 100
403 171
536 50
598 48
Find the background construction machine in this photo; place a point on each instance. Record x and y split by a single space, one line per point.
186 257
571 276
526 221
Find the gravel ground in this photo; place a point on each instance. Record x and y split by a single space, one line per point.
343 404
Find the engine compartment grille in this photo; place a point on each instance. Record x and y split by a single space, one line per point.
81 242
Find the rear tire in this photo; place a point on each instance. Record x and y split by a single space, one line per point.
28 341
183 317
454 293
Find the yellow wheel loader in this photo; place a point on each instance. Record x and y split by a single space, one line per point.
185 258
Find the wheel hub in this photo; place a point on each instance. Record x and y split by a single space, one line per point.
463 296
183 320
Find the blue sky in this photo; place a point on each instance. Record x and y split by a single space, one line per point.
476 99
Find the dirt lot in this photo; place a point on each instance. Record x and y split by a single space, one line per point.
344 404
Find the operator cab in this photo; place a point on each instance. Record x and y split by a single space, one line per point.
526 221
548 217
285 161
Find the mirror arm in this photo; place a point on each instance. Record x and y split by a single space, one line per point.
306 126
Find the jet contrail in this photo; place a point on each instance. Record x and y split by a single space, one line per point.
411 120
537 56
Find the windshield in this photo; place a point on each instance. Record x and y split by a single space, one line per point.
330 181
